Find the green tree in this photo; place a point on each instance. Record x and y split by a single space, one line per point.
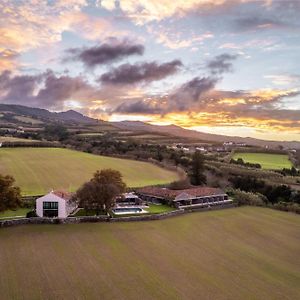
101 191
10 196
197 176
56 132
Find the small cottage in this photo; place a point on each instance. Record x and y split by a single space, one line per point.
56 204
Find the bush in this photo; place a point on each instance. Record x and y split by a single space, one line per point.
180 184
31 214
285 206
247 198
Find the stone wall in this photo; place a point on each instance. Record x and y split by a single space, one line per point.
96 219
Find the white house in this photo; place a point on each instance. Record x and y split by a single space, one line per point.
55 204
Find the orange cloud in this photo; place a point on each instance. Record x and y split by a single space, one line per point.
31 24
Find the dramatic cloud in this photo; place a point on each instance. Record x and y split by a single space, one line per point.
193 89
140 107
45 90
221 63
28 24
105 53
264 35
200 96
141 72
181 99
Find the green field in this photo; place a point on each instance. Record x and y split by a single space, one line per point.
38 170
14 139
266 160
240 253
20 212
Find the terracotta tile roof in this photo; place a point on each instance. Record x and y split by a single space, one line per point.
64 195
172 194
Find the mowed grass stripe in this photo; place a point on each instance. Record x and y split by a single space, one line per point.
241 253
38 170
266 160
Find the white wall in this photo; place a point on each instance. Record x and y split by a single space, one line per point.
62 211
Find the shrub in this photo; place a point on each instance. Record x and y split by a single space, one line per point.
180 184
247 198
31 214
285 206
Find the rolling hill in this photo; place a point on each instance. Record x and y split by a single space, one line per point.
43 114
13 115
38 170
182 132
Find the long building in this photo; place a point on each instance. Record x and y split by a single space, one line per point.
187 198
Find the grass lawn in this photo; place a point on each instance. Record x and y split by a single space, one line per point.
158 209
82 212
240 253
21 212
38 170
266 160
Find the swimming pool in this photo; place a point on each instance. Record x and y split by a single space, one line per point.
128 210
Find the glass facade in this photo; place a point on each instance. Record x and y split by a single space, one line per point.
50 205
50 209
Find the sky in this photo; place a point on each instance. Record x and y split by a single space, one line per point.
227 67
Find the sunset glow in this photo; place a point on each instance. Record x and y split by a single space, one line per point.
163 62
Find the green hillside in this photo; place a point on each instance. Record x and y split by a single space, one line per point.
38 170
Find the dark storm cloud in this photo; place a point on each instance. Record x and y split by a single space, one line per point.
18 88
141 72
46 90
193 89
181 99
105 53
140 107
221 63
60 88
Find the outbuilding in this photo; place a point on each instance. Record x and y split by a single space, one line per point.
187 198
56 204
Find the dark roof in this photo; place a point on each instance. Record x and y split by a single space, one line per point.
172 194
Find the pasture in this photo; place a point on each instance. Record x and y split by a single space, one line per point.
15 139
266 160
240 253
38 170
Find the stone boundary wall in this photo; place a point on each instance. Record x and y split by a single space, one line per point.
96 219
212 207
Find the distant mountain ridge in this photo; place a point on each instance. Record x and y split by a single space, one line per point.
70 115
174 130
182 132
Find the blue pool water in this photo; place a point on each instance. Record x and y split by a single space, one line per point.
127 210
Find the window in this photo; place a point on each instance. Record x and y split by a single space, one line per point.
50 205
